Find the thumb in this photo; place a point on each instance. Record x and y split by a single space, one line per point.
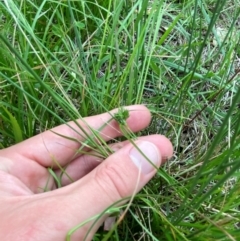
119 176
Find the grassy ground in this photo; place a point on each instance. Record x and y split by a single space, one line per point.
62 60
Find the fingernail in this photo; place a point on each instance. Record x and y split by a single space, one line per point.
150 151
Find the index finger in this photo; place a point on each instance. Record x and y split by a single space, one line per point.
48 146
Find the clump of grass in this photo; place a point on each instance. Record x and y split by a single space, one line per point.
60 61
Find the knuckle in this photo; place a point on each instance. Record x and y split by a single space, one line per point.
113 181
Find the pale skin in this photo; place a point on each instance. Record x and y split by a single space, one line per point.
27 213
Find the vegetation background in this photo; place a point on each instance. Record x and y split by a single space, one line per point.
62 60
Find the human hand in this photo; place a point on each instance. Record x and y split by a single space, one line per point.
30 214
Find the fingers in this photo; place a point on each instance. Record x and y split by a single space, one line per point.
121 175
48 148
86 163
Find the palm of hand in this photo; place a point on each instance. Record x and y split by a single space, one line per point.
24 172
31 209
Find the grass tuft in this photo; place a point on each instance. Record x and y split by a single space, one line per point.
62 60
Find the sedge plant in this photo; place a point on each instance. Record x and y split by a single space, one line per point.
65 60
